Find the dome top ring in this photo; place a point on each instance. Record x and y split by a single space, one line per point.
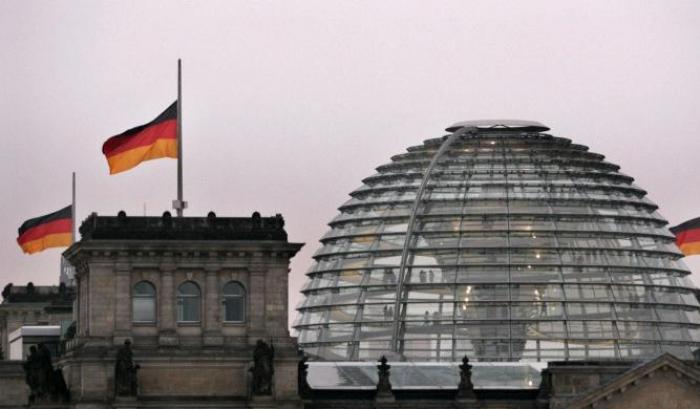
497 124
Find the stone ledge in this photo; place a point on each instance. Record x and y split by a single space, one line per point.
123 227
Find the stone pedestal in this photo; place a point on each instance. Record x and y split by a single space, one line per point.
13 389
122 402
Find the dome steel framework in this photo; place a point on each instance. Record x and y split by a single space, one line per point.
503 243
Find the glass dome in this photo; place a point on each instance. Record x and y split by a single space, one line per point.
502 243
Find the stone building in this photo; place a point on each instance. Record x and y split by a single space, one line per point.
495 267
32 305
194 296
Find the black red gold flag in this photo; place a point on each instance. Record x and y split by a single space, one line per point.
156 139
688 236
51 230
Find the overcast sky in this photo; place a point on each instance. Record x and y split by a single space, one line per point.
288 105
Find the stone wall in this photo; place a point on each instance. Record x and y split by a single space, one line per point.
14 392
33 305
572 379
664 390
200 360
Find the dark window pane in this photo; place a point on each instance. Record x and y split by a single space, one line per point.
143 302
188 302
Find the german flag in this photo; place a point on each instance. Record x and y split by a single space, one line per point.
688 236
156 139
51 230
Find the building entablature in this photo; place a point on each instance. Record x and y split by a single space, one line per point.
181 229
163 254
168 244
31 294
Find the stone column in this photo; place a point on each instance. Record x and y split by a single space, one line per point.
83 325
276 301
76 300
101 303
257 301
212 308
122 319
166 307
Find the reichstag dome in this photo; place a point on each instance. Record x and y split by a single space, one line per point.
501 242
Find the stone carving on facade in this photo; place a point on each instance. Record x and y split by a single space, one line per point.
257 221
383 384
31 293
6 291
280 221
167 227
263 369
30 289
125 372
465 389
46 384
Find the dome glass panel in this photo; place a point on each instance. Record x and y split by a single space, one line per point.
500 243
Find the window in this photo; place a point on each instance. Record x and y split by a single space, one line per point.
234 302
143 302
188 302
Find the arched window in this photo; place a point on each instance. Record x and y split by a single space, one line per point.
188 302
234 302
143 302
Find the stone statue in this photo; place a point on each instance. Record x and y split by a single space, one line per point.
262 369
383 385
6 291
125 380
44 371
302 375
31 374
545 390
46 384
59 388
465 390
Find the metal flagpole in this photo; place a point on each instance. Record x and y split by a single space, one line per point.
180 204
72 210
67 271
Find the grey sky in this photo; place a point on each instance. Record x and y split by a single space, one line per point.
288 105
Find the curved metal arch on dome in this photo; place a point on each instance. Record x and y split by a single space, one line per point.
503 244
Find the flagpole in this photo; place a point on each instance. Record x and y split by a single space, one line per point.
72 210
179 205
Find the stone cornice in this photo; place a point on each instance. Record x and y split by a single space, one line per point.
31 294
167 227
634 376
156 252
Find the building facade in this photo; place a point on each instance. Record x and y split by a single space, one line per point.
496 267
191 313
194 296
32 305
